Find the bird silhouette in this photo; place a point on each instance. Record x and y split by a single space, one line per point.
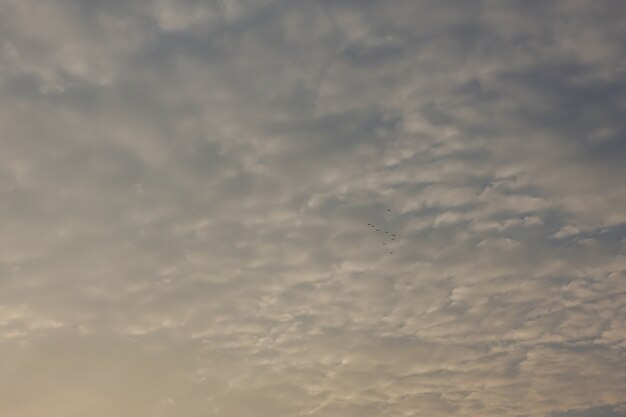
391 236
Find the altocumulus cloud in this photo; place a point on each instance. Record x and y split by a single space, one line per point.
185 188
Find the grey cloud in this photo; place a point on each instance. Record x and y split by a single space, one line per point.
185 189
602 411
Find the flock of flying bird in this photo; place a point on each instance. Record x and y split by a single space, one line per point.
386 234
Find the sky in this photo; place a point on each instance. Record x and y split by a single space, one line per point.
186 188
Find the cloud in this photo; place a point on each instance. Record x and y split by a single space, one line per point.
186 189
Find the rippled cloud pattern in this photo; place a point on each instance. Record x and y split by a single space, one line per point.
187 190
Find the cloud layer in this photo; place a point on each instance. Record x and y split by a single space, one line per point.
186 187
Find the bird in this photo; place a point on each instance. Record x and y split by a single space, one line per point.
384 243
386 231
393 235
388 209
378 230
390 253
392 239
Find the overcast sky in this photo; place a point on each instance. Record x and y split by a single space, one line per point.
186 187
